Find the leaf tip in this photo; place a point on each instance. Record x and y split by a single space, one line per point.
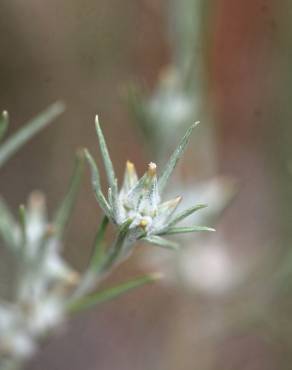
97 123
58 107
86 153
80 153
202 205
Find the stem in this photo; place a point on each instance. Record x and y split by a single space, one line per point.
91 276
114 253
99 267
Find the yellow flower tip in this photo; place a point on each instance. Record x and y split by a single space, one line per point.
130 167
143 224
152 169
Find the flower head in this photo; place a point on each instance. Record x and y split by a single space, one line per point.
140 201
138 204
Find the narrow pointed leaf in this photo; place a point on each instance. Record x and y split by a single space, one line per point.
106 157
184 230
182 215
113 198
161 242
170 166
64 212
136 191
8 226
22 219
11 145
111 293
95 180
98 251
166 210
4 121
115 251
91 276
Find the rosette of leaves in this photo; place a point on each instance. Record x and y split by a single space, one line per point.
137 209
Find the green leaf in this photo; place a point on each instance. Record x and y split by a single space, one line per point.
98 251
184 230
111 293
8 226
64 212
11 145
106 157
95 180
161 242
113 198
114 252
4 121
22 219
182 215
175 158
137 108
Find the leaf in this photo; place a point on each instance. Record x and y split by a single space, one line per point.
106 157
170 166
8 226
96 263
111 293
64 212
98 251
113 199
182 215
137 108
183 230
166 210
95 180
115 251
11 145
22 219
4 121
161 242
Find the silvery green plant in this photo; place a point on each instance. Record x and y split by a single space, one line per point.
41 283
42 280
137 208
45 290
35 300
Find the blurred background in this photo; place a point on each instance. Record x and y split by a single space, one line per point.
226 302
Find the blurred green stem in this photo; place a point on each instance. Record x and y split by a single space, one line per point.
11 145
